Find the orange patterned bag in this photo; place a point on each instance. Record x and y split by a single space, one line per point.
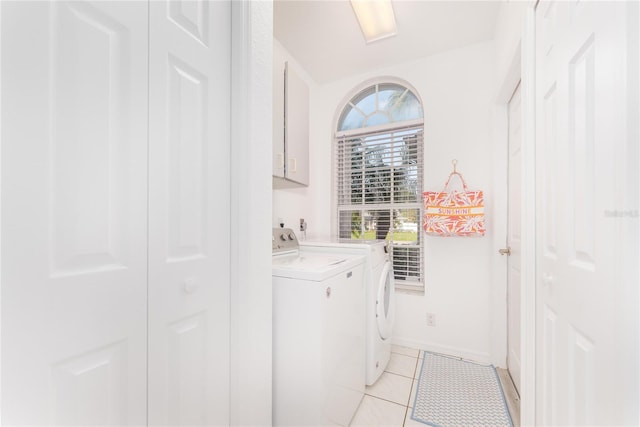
454 213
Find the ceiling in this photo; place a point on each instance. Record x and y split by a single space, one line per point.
324 36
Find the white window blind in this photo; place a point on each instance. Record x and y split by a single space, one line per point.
378 189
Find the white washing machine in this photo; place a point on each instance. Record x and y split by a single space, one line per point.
380 298
318 334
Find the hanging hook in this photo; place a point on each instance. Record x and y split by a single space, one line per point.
454 162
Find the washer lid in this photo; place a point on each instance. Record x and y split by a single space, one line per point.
386 302
374 250
312 266
343 243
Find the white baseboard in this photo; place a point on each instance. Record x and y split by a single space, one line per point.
463 353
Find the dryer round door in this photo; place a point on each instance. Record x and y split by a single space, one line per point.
386 302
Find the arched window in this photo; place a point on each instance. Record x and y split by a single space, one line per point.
380 104
378 148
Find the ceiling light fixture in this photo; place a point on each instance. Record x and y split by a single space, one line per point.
376 18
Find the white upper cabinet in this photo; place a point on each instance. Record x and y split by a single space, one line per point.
290 127
278 120
296 127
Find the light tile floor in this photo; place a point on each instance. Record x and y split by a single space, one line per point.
389 401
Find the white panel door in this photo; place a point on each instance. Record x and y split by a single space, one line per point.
74 212
581 98
189 197
514 236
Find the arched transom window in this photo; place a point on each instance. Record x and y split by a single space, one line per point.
378 165
380 104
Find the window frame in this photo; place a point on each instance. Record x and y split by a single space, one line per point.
394 126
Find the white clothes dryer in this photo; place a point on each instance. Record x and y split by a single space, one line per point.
379 298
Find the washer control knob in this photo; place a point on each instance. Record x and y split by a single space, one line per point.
283 237
292 236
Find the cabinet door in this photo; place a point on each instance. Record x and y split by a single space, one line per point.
296 127
278 116
189 224
74 212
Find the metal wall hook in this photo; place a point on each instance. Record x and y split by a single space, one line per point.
454 162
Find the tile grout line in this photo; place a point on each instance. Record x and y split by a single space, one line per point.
405 355
385 400
413 380
388 372
406 412
398 375
413 384
404 420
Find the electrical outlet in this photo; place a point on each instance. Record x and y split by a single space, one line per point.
431 319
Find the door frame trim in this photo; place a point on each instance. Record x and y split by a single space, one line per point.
521 69
528 248
250 369
1 284
508 243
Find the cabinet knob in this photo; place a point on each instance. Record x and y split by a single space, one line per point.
328 291
190 286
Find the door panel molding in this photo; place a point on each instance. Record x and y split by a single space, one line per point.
74 212
582 53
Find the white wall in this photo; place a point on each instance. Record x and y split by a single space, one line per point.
507 36
463 93
507 40
456 88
